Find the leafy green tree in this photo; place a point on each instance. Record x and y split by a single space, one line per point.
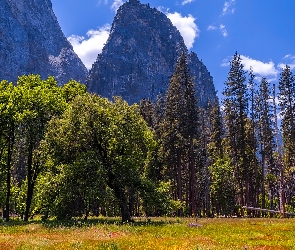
40 101
8 125
222 187
71 89
103 141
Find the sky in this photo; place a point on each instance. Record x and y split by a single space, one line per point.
261 31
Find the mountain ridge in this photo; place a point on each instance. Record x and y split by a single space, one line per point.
139 57
32 42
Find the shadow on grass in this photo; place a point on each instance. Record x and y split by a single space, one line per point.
81 223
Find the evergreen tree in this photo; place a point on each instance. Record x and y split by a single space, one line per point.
179 128
287 107
265 135
146 111
216 131
235 113
254 172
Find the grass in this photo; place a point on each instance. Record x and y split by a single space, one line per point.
157 233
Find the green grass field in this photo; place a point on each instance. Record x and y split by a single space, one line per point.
157 233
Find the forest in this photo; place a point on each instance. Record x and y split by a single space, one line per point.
68 153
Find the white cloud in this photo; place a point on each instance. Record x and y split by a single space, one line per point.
289 60
186 26
228 7
283 65
116 4
288 56
259 68
104 1
186 1
88 48
223 30
211 27
163 9
226 61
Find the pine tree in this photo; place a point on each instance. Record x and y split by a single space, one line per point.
235 113
254 172
287 107
146 111
216 130
179 128
265 135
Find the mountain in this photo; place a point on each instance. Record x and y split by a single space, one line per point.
140 55
32 42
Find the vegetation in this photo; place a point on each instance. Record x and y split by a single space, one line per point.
160 233
66 153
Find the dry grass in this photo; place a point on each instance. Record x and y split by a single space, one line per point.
160 233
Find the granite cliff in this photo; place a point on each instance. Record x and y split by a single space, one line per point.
140 55
32 42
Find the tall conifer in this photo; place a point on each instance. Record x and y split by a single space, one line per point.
235 113
179 130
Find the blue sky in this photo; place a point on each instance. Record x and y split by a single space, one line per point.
261 31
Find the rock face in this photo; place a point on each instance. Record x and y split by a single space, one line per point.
32 42
140 55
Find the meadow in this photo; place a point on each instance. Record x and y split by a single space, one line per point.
153 233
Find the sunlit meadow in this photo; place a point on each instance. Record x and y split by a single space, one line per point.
154 233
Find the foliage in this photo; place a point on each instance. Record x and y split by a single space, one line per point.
179 129
67 153
157 233
222 187
96 144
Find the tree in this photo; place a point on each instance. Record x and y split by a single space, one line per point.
216 131
179 126
287 107
235 114
253 172
222 187
40 101
265 135
71 89
8 125
95 137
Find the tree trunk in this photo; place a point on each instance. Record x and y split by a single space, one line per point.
8 175
262 183
30 184
179 182
192 181
123 203
125 211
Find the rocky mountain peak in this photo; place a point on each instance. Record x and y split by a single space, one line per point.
140 55
32 42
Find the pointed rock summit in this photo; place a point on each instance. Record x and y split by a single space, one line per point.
32 42
140 55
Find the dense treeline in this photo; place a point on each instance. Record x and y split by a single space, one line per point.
65 152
